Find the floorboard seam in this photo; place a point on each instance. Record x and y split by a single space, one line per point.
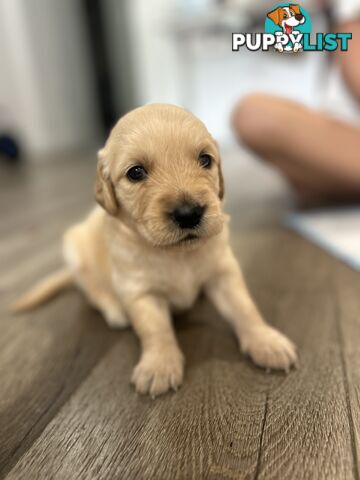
23 447
13 457
347 394
258 463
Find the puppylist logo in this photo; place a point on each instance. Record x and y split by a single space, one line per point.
287 29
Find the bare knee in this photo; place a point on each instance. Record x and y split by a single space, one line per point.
349 61
258 121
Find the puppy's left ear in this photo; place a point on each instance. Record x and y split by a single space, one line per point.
296 9
104 188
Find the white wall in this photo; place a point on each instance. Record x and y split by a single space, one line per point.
201 72
150 51
46 90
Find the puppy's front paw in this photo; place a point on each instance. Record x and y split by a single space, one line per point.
269 348
157 372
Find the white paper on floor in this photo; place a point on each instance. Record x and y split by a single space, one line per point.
336 230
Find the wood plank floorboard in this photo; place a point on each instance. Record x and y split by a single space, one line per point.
67 410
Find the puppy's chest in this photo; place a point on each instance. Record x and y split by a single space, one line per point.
183 288
179 280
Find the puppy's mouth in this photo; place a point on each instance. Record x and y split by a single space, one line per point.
190 238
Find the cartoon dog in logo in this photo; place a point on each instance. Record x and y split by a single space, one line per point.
287 18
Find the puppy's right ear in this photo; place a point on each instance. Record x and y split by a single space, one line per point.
104 188
296 8
221 183
275 16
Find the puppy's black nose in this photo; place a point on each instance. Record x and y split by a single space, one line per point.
187 215
299 17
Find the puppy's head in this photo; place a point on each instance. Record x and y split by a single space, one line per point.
287 17
160 168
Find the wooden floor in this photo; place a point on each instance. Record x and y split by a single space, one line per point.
67 410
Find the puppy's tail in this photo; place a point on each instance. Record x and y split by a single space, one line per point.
43 291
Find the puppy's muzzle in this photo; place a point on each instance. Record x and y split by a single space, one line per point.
187 215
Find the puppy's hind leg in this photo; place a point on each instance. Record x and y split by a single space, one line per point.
97 288
103 300
110 308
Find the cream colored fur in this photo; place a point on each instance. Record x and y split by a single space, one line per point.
136 266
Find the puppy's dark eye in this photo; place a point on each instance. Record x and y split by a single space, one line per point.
205 160
136 174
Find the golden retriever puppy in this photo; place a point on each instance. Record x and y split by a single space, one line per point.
160 238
